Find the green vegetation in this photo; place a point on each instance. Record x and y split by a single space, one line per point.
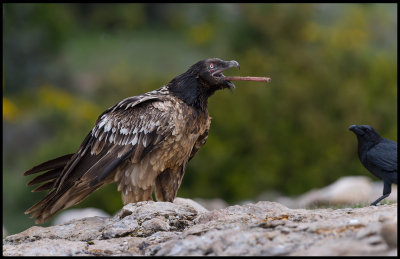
332 65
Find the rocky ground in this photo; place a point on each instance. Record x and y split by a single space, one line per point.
186 228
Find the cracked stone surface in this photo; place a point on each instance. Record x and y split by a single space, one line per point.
186 228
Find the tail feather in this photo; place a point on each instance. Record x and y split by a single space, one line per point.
58 200
49 175
80 176
40 203
51 164
44 187
55 167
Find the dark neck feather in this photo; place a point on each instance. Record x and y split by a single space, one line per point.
366 144
191 90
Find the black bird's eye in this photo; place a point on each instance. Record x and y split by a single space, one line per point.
211 65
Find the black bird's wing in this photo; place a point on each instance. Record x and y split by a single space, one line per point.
384 155
126 131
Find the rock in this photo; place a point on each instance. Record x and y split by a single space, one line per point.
212 204
71 214
389 234
185 228
195 205
347 190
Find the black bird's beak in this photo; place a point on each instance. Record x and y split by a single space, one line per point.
356 130
352 127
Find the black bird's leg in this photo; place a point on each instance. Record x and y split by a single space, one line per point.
387 189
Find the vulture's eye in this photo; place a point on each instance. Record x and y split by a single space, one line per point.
211 65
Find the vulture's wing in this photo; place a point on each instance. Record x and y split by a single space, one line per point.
127 131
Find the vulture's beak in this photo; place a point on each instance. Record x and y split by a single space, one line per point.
230 64
233 63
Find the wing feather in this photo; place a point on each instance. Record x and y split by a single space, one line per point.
123 135
384 155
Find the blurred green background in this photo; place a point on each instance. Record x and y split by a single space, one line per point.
332 65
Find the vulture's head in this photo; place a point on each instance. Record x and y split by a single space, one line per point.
201 80
210 72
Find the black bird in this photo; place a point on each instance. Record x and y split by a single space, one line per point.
143 143
378 155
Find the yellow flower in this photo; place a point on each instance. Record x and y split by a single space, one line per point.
10 110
